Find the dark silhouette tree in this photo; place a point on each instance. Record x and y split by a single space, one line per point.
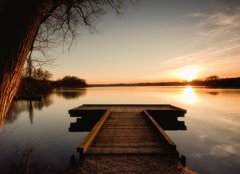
24 21
210 78
71 82
40 74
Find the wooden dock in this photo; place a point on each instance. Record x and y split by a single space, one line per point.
127 129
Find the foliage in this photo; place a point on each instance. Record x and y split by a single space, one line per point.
212 78
40 74
70 82
35 84
33 87
215 81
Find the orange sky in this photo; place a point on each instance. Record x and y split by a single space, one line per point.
155 41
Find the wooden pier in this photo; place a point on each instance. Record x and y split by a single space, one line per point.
127 129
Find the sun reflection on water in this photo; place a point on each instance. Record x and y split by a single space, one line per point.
189 95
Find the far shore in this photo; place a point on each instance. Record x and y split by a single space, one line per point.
215 83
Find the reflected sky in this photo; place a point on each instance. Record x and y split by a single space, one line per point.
19 106
211 142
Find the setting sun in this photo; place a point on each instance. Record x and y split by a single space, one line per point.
188 73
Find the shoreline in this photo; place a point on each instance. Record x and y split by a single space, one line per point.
130 164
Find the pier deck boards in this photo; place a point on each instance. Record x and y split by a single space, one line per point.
126 108
126 132
127 129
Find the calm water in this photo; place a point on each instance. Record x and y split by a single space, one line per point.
211 142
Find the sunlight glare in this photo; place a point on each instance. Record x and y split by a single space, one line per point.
189 73
189 95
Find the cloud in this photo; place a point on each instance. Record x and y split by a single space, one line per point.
209 55
224 150
217 36
222 60
198 155
224 21
197 14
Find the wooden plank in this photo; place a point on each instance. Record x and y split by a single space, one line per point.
161 131
128 128
90 137
128 138
127 108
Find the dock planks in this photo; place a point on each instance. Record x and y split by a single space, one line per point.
127 129
127 132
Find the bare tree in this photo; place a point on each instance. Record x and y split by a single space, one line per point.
36 62
24 21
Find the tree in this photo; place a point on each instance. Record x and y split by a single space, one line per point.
22 21
210 78
39 74
71 82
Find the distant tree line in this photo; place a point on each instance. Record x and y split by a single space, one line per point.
215 81
211 81
39 83
141 84
70 82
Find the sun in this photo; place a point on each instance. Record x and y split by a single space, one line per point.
188 73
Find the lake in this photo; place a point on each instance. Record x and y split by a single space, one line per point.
38 131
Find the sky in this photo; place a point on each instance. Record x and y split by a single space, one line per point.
155 41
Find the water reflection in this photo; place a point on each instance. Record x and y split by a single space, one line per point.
189 95
70 93
213 93
19 106
211 142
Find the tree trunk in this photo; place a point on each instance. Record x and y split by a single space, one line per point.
29 67
20 21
